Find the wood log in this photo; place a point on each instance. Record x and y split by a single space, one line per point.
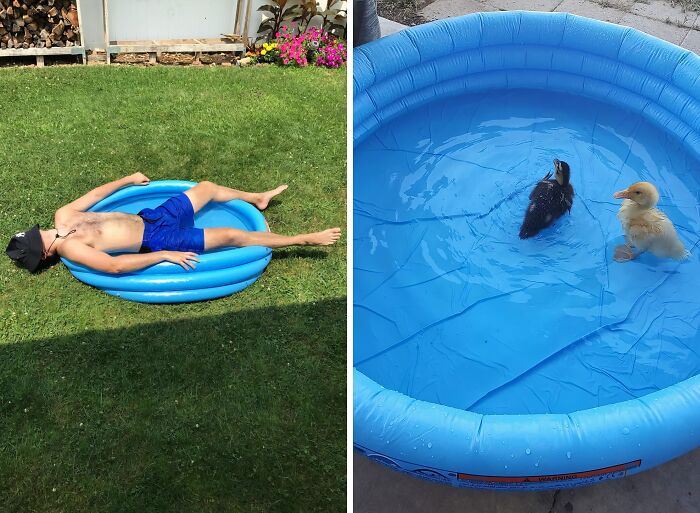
39 23
57 31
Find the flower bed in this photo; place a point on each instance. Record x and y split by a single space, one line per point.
314 47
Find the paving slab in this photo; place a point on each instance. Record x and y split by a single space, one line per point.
664 11
670 488
450 8
524 5
692 41
657 28
591 10
388 27
622 5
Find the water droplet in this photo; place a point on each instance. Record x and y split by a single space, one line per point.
505 466
626 431
528 451
430 445
537 464
568 454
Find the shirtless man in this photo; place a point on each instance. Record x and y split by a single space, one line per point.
166 233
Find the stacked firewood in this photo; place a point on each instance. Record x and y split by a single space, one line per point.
38 24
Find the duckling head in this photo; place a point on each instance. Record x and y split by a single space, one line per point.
643 194
562 172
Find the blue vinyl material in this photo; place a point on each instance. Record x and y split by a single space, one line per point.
219 273
485 361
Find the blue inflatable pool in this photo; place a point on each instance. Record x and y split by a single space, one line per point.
483 360
219 273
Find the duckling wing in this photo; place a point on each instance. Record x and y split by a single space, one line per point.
659 236
568 197
541 186
545 206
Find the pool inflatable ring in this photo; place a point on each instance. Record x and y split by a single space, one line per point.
219 273
465 373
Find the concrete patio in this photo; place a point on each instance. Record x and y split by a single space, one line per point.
655 17
670 488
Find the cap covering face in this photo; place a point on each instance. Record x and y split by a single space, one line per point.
26 249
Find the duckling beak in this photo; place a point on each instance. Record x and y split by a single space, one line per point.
622 194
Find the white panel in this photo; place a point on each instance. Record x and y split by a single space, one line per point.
91 12
170 19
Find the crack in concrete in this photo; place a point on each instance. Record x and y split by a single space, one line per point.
554 501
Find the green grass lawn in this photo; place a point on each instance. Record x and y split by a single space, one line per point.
236 404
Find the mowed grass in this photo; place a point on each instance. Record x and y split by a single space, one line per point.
236 404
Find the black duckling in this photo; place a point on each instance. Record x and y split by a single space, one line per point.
548 200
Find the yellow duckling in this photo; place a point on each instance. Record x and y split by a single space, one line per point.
646 227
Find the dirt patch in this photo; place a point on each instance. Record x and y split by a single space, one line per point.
217 58
130 58
176 59
402 11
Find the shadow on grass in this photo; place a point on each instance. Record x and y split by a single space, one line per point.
315 254
237 412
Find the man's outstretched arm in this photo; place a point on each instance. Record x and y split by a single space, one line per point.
99 193
100 261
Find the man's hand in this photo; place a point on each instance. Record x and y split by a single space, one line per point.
138 179
99 193
182 258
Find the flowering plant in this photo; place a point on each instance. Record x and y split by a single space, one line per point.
268 53
313 47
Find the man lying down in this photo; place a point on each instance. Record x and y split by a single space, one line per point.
166 233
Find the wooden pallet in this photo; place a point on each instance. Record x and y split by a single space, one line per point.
154 48
41 53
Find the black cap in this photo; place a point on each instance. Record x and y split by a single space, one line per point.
26 249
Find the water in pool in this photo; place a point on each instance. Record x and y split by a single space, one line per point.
453 308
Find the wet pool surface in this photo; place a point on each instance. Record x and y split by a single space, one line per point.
453 308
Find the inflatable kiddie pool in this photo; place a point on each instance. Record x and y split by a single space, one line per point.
485 361
219 273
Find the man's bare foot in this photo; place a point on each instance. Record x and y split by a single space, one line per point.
623 253
324 238
265 197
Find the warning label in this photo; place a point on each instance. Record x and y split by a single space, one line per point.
600 474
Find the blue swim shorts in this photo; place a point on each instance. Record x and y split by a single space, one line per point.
170 227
